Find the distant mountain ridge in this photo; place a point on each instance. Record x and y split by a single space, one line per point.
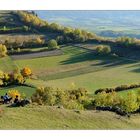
126 22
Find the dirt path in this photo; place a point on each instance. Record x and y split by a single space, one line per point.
37 54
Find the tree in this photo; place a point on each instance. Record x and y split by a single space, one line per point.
4 28
52 44
67 30
39 40
13 93
1 77
69 34
55 27
3 50
106 49
60 39
26 28
1 74
18 78
26 72
130 103
101 49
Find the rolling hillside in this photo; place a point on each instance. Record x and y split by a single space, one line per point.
53 119
73 63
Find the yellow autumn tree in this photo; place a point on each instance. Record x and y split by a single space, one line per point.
13 93
26 72
3 50
39 40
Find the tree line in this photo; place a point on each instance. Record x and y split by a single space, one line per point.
65 34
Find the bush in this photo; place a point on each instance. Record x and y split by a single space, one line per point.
1 74
18 78
118 88
18 50
44 96
26 72
71 99
13 93
101 49
3 50
52 44
39 41
15 77
1 82
72 104
128 104
105 99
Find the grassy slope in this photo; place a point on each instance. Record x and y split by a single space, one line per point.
84 69
53 118
101 79
28 91
9 20
125 92
6 64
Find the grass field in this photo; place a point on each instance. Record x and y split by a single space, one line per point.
84 68
125 92
6 64
76 64
28 91
101 79
79 66
41 117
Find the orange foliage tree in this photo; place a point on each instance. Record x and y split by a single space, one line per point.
26 72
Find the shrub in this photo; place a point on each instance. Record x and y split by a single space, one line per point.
3 50
105 99
1 82
26 72
101 49
72 104
130 103
25 28
13 93
1 74
18 78
39 41
79 94
44 96
118 88
18 50
106 50
71 99
52 44
15 77
62 97
6 78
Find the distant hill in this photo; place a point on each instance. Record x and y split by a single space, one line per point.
9 19
126 22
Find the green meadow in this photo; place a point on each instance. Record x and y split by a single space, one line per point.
73 65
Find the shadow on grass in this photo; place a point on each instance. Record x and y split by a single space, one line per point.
135 67
136 70
105 60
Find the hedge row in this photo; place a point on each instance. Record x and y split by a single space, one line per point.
118 88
